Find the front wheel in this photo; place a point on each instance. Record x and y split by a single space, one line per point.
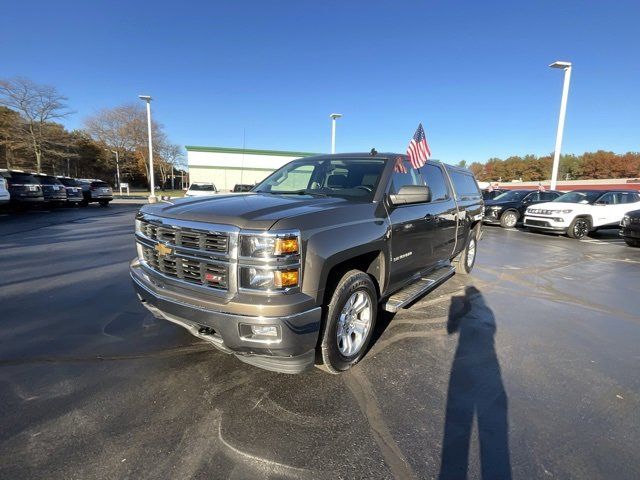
349 321
632 242
509 219
579 228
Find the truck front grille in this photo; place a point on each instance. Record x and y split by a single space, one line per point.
180 237
198 272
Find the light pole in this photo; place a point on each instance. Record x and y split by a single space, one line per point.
566 66
152 195
333 117
117 166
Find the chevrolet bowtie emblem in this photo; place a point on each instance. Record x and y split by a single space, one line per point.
162 249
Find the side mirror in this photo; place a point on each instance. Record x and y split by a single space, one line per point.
411 194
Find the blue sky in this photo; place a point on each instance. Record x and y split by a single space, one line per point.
474 72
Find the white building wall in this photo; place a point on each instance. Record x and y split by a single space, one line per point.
228 167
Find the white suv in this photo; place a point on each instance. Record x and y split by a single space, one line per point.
582 211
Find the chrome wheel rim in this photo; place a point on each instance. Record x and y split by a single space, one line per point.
354 323
580 228
510 220
471 252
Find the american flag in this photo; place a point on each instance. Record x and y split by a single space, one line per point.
418 150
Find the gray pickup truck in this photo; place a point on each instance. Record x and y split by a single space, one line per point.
294 273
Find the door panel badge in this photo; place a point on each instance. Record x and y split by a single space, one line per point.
404 255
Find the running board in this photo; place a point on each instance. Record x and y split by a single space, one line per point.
418 288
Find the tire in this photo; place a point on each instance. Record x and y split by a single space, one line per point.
465 261
104 203
341 347
632 242
509 219
579 228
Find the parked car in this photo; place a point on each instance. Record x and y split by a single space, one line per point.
508 208
491 193
53 190
242 187
95 191
23 188
295 271
74 191
580 212
201 190
630 228
5 196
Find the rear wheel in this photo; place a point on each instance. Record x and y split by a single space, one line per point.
349 321
509 219
632 242
579 228
104 203
465 261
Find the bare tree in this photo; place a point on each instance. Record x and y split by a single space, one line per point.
170 156
124 129
38 105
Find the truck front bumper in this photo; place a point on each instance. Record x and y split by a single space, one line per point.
292 352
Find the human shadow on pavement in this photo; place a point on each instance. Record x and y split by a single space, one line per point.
475 390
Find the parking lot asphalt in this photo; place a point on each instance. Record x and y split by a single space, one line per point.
528 368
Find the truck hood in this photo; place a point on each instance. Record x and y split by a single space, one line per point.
247 211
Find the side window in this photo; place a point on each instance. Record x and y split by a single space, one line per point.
434 178
532 197
548 196
404 174
627 197
465 185
606 199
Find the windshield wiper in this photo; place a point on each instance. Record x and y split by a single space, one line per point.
300 192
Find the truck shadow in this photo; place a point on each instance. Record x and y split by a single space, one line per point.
475 390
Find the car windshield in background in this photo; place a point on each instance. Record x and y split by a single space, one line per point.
69 182
512 196
347 178
579 197
23 178
202 187
47 180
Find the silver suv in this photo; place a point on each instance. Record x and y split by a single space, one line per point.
95 191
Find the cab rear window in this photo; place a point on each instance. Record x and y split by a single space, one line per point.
100 184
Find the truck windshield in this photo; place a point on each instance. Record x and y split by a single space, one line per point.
511 196
579 197
351 178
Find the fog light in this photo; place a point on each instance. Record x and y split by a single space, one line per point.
257 333
265 330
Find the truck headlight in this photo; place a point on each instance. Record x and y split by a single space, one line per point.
263 279
626 221
269 245
138 225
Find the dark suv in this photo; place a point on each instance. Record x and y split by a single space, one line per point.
294 272
509 208
25 190
630 228
74 191
53 190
